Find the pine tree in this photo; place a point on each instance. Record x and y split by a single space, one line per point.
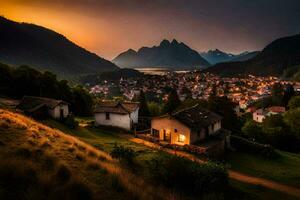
173 102
144 110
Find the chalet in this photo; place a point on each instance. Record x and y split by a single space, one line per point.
117 114
40 107
191 126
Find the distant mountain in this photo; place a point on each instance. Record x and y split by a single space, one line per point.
245 56
173 55
44 49
276 57
217 56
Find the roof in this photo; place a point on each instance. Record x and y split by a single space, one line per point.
195 117
276 109
116 107
32 103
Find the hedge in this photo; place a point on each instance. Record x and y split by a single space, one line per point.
242 144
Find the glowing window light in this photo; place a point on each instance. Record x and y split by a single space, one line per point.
181 138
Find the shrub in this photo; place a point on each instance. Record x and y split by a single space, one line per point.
71 122
242 144
123 154
187 176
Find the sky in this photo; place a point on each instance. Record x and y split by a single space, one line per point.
109 27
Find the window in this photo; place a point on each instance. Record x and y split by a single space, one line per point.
107 116
175 130
181 138
155 133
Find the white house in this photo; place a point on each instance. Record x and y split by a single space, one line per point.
40 107
260 114
117 114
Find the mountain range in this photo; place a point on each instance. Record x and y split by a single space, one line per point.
217 56
44 49
173 55
274 59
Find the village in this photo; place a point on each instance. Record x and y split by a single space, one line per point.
193 129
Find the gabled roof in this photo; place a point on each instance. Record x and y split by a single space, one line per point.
32 103
195 117
116 107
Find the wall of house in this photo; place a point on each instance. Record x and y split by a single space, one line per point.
55 112
135 116
258 118
170 125
215 127
198 136
116 120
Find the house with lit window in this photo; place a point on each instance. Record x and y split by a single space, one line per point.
190 126
117 114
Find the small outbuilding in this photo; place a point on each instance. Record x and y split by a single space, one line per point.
41 107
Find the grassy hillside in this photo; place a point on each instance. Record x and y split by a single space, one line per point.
37 162
284 169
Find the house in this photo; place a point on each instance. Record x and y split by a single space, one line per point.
40 107
260 114
191 126
117 114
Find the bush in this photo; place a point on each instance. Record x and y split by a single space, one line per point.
242 144
123 154
71 122
187 176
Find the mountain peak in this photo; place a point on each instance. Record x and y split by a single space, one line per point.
174 42
165 42
131 51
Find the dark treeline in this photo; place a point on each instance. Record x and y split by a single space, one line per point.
24 80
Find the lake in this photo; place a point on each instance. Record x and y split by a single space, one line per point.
157 70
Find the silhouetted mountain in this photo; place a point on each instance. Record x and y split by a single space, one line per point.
172 55
217 56
273 60
245 56
44 49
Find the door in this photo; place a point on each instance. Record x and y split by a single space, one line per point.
167 136
61 115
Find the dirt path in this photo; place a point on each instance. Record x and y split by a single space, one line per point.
232 174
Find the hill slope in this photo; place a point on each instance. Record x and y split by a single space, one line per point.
273 60
38 162
173 55
44 49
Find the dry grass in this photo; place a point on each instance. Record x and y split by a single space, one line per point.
81 159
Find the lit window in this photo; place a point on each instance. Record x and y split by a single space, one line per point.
181 138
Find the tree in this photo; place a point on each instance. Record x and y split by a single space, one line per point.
292 119
82 101
224 107
144 110
173 102
294 103
289 92
253 130
277 94
154 109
